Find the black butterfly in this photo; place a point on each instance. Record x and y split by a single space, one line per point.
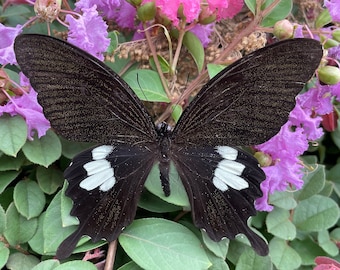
245 104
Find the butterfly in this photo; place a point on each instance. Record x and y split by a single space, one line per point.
245 104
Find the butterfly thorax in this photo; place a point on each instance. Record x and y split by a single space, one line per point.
164 134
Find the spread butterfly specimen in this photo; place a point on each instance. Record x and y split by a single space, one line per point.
245 104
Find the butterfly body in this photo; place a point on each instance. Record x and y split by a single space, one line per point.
244 104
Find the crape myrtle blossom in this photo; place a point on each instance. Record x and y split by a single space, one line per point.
28 107
120 11
124 14
284 149
333 7
292 141
89 32
8 35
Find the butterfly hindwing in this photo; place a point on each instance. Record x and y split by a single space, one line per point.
222 183
105 183
83 98
248 102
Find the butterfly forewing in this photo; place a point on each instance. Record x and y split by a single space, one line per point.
248 102
83 99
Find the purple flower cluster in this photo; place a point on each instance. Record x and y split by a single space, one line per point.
27 106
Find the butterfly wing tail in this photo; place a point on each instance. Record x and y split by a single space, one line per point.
66 248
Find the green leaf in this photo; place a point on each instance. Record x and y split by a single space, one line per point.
146 84
20 261
70 149
219 249
333 175
323 19
280 12
6 178
2 220
327 190
12 163
308 250
251 4
165 67
49 179
217 263
316 213
284 200
177 196
249 260
279 224
195 48
314 182
327 244
47 265
155 204
29 199
176 112
37 241
282 255
43 151
214 69
130 266
13 134
113 36
4 254
336 134
18 229
66 207
53 231
161 244
83 265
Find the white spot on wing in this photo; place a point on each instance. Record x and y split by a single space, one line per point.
99 171
101 152
98 180
228 171
227 152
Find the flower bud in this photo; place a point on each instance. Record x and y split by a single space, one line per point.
329 121
328 42
134 3
48 10
206 17
146 12
336 35
323 19
283 29
264 160
329 75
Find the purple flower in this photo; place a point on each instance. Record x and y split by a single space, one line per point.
89 32
284 149
125 16
8 35
319 98
333 7
107 8
27 106
288 145
203 32
225 8
169 8
301 117
334 52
